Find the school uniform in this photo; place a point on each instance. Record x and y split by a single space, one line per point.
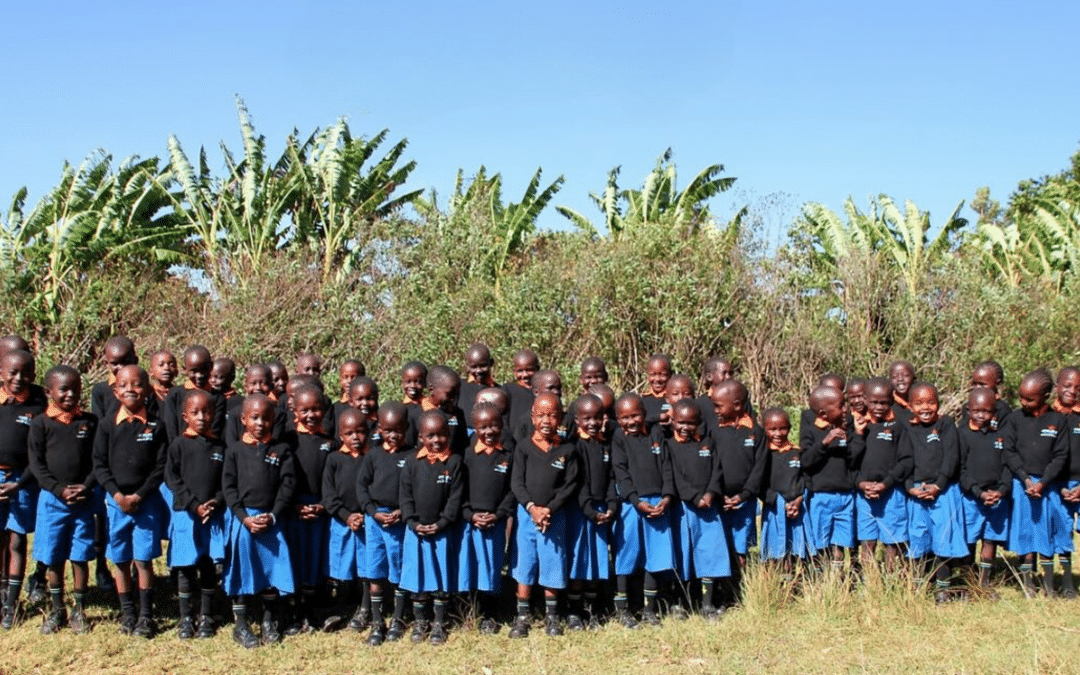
655 406
1001 411
455 418
234 425
346 548
1072 473
193 469
902 410
830 469
521 400
103 401
780 535
172 411
878 458
589 542
431 492
544 473
525 429
129 458
642 472
61 453
742 447
481 551
470 388
378 488
934 526
1036 448
700 533
18 512
308 539
983 467
258 477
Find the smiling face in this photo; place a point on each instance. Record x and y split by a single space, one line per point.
985 376
525 366
902 375
131 387
630 414
412 383
257 380
981 402
592 372
363 397
777 428
924 404
222 374
829 406
434 433
589 416
279 378
856 396
349 371
198 412
658 372
1068 386
64 389
678 388
488 425
479 363
727 406
197 365
685 419
445 395
392 426
17 371
308 408
547 414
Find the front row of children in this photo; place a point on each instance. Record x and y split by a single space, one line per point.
400 502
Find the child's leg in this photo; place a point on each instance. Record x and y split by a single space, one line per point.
866 552
942 573
652 590
122 579
187 578
708 585
271 606
145 571
573 601
242 634
101 535
420 617
401 598
986 562
1047 564
80 573
16 568
439 608
208 583
1027 563
54 577
1067 587
892 557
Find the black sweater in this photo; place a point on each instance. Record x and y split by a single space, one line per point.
521 400
742 459
431 492
379 481
129 457
172 412
62 454
641 465
830 468
877 454
1036 446
310 452
696 468
597 478
193 472
785 476
934 453
260 477
488 482
982 461
1073 472
339 485
15 420
545 478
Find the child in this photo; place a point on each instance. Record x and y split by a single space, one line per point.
119 351
364 398
257 380
197 526
642 536
444 387
61 446
478 365
985 480
384 530
657 372
593 372
413 377
222 376
306 523
828 463
525 363
545 478
258 481
163 372
347 552
991 375
497 397
309 364
544 381
197 365
697 476
431 490
902 376
589 521
785 530
808 417
1068 399
20 402
717 369
1037 452
742 448
129 462
279 378
488 505
855 393
348 371
880 500
680 386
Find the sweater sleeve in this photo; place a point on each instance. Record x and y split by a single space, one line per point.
905 463
157 475
757 471
331 495
101 460
1010 453
506 506
174 478
620 466
451 510
36 444
950 456
363 484
286 482
406 498
716 476
230 485
517 477
1059 455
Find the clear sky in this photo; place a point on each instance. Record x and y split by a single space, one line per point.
815 100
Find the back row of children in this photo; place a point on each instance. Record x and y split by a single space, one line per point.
415 500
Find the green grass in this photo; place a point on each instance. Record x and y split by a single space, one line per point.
830 625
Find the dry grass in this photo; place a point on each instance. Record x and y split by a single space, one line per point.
829 625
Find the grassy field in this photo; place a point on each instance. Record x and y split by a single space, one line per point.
830 626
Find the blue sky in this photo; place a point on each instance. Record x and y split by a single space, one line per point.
816 101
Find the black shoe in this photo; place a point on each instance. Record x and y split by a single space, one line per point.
56 620
360 620
438 634
330 622
298 627
270 633
127 624
397 630
552 626
144 628
419 631
649 618
7 618
520 627
377 635
488 627
1068 593
79 623
243 636
574 622
627 620
185 630
206 628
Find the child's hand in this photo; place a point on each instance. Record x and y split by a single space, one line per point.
541 516
861 425
930 492
990 497
311 512
644 507
355 521
73 494
732 503
706 501
204 510
427 530
835 434
384 519
255 524
127 503
793 507
1071 496
482 520
1035 489
660 507
7 490
603 517
916 492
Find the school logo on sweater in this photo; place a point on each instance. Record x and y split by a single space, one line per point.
24 419
1076 429
217 457
794 463
451 421
325 447
704 451
401 464
443 479
146 436
749 442
999 444
884 435
933 436
83 430
272 459
559 463
656 449
1049 432
502 467
607 457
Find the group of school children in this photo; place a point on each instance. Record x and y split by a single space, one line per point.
279 492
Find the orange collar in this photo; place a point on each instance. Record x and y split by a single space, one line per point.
189 385
686 439
53 411
821 424
890 417
649 392
432 457
191 433
230 393
21 397
426 404
1058 406
489 382
915 420
251 440
302 428
390 449
783 447
160 390
485 449
583 435
543 443
409 401
743 422
112 378
861 417
344 398
900 402
973 426
272 395
124 415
